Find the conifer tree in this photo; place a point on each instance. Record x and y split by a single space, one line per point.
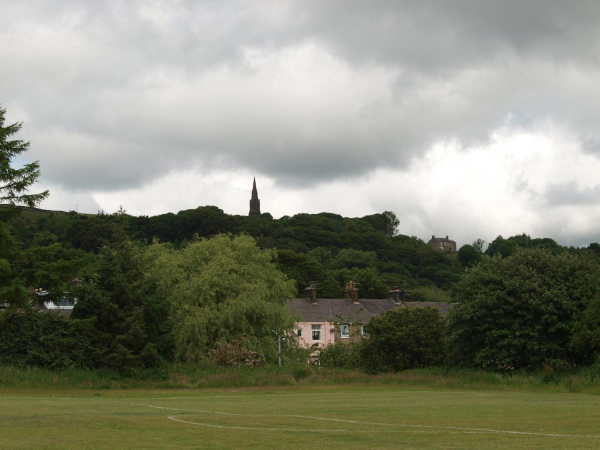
15 183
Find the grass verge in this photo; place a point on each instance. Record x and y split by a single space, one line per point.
206 376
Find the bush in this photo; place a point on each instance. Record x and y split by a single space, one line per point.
402 338
232 354
336 355
46 340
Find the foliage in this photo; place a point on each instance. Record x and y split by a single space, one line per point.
527 310
392 224
428 294
125 306
468 255
337 355
220 289
47 340
507 247
479 245
15 183
402 338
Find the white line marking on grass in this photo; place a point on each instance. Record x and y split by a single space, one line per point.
464 430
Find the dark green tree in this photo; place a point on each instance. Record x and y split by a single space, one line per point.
127 310
15 183
529 309
392 223
468 255
401 339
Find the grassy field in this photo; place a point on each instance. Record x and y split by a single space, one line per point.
299 417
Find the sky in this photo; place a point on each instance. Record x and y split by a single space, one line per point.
467 118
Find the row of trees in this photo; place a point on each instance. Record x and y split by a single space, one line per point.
530 309
528 302
152 304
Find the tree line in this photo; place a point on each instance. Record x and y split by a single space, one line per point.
204 284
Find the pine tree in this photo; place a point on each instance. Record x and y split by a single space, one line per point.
15 183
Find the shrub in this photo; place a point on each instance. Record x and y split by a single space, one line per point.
232 354
403 338
336 355
46 340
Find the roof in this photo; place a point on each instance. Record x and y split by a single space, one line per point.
333 309
437 239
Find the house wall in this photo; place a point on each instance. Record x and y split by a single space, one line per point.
355 334
327 335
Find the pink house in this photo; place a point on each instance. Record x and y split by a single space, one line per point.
327 321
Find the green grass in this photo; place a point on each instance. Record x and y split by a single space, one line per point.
207 376
365 416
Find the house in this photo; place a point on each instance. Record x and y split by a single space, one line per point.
326 321
443 243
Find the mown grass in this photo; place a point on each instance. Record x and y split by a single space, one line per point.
303 416
207 376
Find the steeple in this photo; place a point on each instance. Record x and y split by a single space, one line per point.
254 203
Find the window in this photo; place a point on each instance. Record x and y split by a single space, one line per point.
344 331
316 332
362 330
299 332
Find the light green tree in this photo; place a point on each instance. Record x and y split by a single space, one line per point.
222 289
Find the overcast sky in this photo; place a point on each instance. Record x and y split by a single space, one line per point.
471 119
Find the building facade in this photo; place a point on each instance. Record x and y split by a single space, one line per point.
443 243
327 321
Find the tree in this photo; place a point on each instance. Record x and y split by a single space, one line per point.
402 338
468 255
125 306
526 310
15 183
392 223
223 289
478 244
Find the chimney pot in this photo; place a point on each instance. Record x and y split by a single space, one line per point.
351 292
394 294
310 293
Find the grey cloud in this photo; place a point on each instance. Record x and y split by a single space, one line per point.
116 92
568 194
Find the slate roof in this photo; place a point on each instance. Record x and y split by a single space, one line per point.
327 309
442 239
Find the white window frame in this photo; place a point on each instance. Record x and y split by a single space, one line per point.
344 331
316 329
362 330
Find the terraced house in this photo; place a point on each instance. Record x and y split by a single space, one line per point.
326 321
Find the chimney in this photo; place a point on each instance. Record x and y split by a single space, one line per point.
446 236
394 295
310 294
351 292
433 237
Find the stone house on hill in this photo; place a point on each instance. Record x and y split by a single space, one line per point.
326 321
443 243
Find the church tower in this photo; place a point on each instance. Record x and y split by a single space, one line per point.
254 203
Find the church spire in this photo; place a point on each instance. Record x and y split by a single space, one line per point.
254 202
